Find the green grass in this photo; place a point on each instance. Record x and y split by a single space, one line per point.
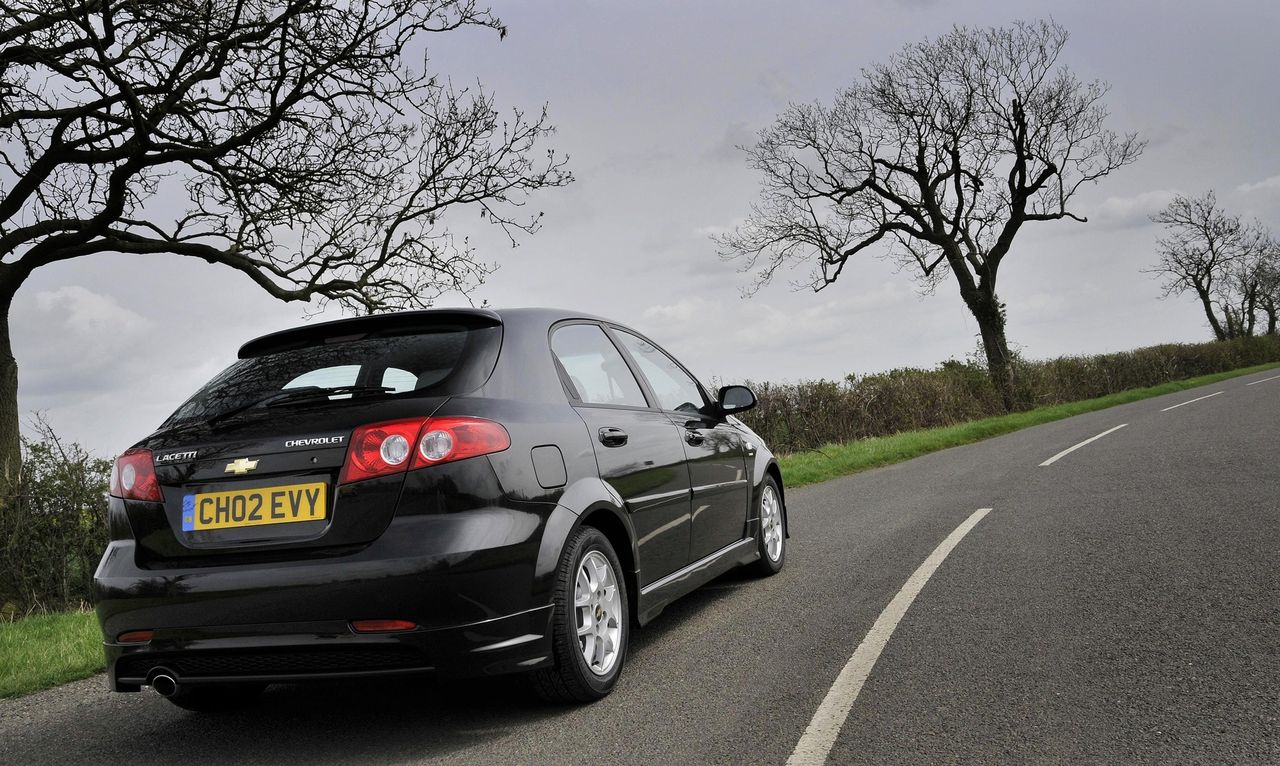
835 460
46 650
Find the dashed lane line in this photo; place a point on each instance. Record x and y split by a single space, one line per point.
1073 448
1191 401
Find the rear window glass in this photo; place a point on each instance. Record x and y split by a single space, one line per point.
446 361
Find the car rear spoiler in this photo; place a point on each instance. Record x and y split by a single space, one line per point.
374 325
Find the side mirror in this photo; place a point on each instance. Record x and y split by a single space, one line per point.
734 399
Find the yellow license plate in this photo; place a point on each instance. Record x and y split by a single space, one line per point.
254 507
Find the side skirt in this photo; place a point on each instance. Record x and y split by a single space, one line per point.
655 596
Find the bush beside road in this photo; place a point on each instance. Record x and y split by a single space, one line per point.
833 460
795 417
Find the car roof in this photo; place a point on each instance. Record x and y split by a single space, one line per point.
310 334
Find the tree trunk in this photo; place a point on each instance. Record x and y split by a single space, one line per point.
1269 306
985 308
10 446
1218 333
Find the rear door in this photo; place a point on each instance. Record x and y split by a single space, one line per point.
715 451
638 449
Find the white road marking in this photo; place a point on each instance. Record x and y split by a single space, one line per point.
1069 450
1264 380
1176 406
816 742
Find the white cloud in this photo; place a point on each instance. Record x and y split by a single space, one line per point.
83 311
717 230
1265 184
1135 210
684 310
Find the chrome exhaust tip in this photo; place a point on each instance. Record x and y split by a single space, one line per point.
164 684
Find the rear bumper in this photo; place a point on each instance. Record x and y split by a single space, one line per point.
468 580
296 652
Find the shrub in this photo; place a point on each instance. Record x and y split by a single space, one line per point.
806 415
54 530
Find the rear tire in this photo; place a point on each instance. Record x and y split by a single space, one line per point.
589 623
771 536
217 698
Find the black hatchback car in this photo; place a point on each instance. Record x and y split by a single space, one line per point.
459 492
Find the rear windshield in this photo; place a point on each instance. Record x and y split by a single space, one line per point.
444 361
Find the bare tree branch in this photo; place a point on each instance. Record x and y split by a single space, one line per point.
312 157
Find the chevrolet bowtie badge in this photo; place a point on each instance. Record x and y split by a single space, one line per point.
241 465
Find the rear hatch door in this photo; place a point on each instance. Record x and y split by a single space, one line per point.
248 472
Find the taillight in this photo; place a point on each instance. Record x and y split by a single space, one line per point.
447 439
380 449
135 637
396 446
133 477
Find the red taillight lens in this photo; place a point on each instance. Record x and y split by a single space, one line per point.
135 637
447 439
382 449
382 626
134 477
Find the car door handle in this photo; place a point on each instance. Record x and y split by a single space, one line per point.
613 437
693 436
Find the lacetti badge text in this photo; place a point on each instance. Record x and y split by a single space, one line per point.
316 441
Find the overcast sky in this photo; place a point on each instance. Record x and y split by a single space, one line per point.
650 99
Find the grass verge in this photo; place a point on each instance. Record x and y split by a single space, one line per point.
46 650
835 460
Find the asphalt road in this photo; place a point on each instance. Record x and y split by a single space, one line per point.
1121 605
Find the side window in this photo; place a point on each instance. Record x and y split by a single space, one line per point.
596 369
671 384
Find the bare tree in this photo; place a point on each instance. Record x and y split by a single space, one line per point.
1221 259
298 139
936 158
1269 284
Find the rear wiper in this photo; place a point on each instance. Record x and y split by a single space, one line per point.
292 395
321 392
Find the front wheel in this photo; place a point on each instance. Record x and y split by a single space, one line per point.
589 622
771 538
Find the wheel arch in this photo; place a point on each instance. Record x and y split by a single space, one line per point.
611 525
590 503
772 469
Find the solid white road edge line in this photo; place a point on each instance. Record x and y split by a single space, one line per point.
1190 401
1264 380
1069 450
816 742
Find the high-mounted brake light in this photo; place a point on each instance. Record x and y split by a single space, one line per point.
396 446
133 477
